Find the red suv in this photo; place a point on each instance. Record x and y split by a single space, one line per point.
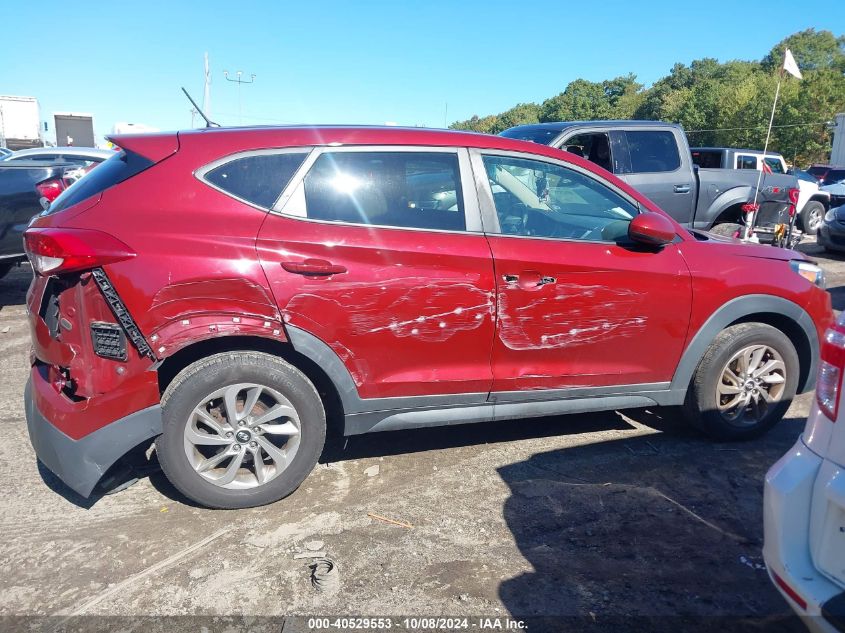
219 292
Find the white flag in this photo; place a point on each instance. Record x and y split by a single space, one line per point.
790 66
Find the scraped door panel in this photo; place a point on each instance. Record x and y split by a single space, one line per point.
409 312
611 316
578 304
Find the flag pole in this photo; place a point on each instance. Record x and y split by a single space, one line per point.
749 226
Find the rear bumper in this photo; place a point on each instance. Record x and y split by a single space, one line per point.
786 522
80 463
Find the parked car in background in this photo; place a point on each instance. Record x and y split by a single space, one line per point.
81 156
519 281
22 184
827 174
804 503
655 159
832 232
836 191
812 203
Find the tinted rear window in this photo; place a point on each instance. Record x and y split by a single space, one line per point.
258 179
707 159
121 166
652 151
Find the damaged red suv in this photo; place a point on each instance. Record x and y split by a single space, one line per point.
219 292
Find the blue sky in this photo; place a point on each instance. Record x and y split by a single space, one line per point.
362 61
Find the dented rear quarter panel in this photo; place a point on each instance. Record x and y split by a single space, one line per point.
196 274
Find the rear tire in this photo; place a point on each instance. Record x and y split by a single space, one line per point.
729 403
240 429
812 216
727 229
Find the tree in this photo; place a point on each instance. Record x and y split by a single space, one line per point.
813 50
723 104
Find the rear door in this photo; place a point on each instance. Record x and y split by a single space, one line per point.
578 305
378 252
657 169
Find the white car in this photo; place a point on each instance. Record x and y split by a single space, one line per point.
836 191
804 503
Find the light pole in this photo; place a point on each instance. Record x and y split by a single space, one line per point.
239 81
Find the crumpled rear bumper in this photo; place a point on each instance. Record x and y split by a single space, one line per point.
80 463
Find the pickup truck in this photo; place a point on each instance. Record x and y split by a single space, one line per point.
22 185
655 158
812 202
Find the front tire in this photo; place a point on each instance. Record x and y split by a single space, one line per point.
240 429
812 216
744 384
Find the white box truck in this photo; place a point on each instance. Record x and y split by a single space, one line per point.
20 122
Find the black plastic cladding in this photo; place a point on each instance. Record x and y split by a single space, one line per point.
122 313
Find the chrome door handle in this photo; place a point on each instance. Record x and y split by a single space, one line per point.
681 188
546 280
510 279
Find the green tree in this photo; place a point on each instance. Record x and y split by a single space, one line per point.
722 104
813 50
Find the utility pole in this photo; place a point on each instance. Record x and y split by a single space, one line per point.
239 81
206 96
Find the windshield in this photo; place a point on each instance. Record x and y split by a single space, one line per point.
834 176
541 135
803 175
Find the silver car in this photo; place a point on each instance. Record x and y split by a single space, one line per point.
82 156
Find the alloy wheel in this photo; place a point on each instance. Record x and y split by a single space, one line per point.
751 384
815 220
242 436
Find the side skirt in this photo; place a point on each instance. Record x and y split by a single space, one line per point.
419 417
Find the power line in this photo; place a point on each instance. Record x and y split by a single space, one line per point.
758 127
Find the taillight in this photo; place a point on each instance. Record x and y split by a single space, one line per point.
793 200
829 380
789 591
55 251
50 189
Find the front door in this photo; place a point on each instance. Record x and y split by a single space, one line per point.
378 253
578 305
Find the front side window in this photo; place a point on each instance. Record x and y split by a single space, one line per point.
594 147
539 199
746 162
258 179
420 190
652 151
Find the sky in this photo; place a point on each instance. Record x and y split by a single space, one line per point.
424 62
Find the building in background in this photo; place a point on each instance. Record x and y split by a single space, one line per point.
20 123
837 152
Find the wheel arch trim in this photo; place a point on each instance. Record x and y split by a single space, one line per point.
736 310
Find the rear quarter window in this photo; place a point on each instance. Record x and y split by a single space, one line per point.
258 179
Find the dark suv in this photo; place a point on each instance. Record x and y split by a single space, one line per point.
221 292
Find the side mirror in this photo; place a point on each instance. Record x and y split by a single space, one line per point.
652 229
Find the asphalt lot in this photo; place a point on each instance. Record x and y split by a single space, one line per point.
597 516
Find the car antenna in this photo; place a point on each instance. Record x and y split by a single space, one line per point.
208 122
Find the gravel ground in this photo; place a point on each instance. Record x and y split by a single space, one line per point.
597 516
